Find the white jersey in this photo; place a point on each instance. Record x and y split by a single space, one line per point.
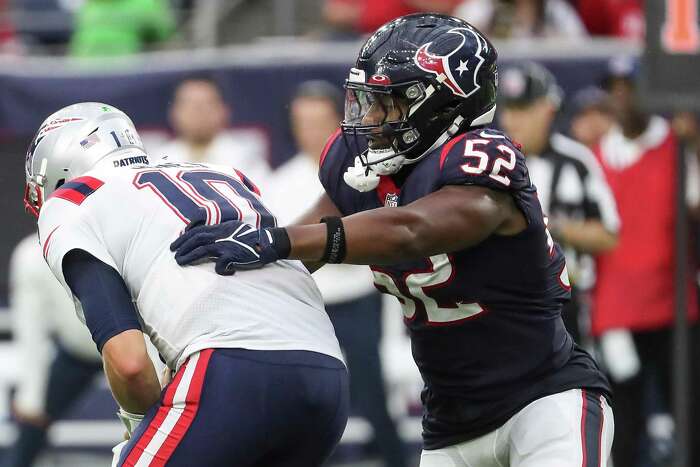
127 218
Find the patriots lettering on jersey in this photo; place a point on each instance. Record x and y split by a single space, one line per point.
127 161
77 190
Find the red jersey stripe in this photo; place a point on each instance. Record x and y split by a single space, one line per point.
48 241
157 421
92 182
448 147
191 406
328 145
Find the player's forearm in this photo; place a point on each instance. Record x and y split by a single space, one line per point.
451 219
379 236
130 372
137 393
586 237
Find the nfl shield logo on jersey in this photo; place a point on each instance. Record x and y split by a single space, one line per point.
391 200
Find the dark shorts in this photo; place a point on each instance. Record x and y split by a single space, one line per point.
246 408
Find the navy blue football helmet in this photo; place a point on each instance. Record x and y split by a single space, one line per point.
418 80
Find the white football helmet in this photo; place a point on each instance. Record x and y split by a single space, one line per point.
73 141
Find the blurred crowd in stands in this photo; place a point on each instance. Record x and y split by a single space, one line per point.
89 28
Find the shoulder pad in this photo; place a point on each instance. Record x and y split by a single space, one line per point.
483 157
330 147
335 159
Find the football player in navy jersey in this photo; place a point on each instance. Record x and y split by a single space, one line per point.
443 211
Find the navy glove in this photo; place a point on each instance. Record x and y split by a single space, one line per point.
234 245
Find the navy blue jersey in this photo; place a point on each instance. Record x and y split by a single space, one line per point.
485 322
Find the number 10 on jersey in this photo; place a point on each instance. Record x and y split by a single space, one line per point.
207 196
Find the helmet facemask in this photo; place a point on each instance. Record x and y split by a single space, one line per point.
380 114
393 119
33 196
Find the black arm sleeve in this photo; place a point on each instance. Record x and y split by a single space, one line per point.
103 295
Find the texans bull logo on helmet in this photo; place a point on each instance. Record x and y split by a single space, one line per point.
446 67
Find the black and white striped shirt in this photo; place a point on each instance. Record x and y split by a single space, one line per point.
571 185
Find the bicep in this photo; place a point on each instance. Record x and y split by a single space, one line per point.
103 296
457 217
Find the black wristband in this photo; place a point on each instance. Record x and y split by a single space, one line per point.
280 242
335 240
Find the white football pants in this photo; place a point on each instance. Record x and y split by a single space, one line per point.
570 429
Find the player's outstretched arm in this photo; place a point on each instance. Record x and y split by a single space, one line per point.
451 219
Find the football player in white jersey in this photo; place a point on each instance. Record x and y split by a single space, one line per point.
258 373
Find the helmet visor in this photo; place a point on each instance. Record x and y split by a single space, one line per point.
369 108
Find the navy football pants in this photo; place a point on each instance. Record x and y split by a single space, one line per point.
245 408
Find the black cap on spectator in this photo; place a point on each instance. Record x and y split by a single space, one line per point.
589 98
321 89
522 84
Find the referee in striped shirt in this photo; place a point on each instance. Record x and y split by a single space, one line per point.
570 183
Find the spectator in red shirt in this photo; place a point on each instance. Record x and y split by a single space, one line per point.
7 33
365 16
619 18
633 311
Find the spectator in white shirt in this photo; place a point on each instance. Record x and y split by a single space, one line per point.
353 304
523 18
57 360
200 118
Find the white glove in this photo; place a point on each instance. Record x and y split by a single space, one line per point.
130 420
620 354
117 452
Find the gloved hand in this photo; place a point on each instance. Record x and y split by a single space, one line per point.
130 420
234 245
